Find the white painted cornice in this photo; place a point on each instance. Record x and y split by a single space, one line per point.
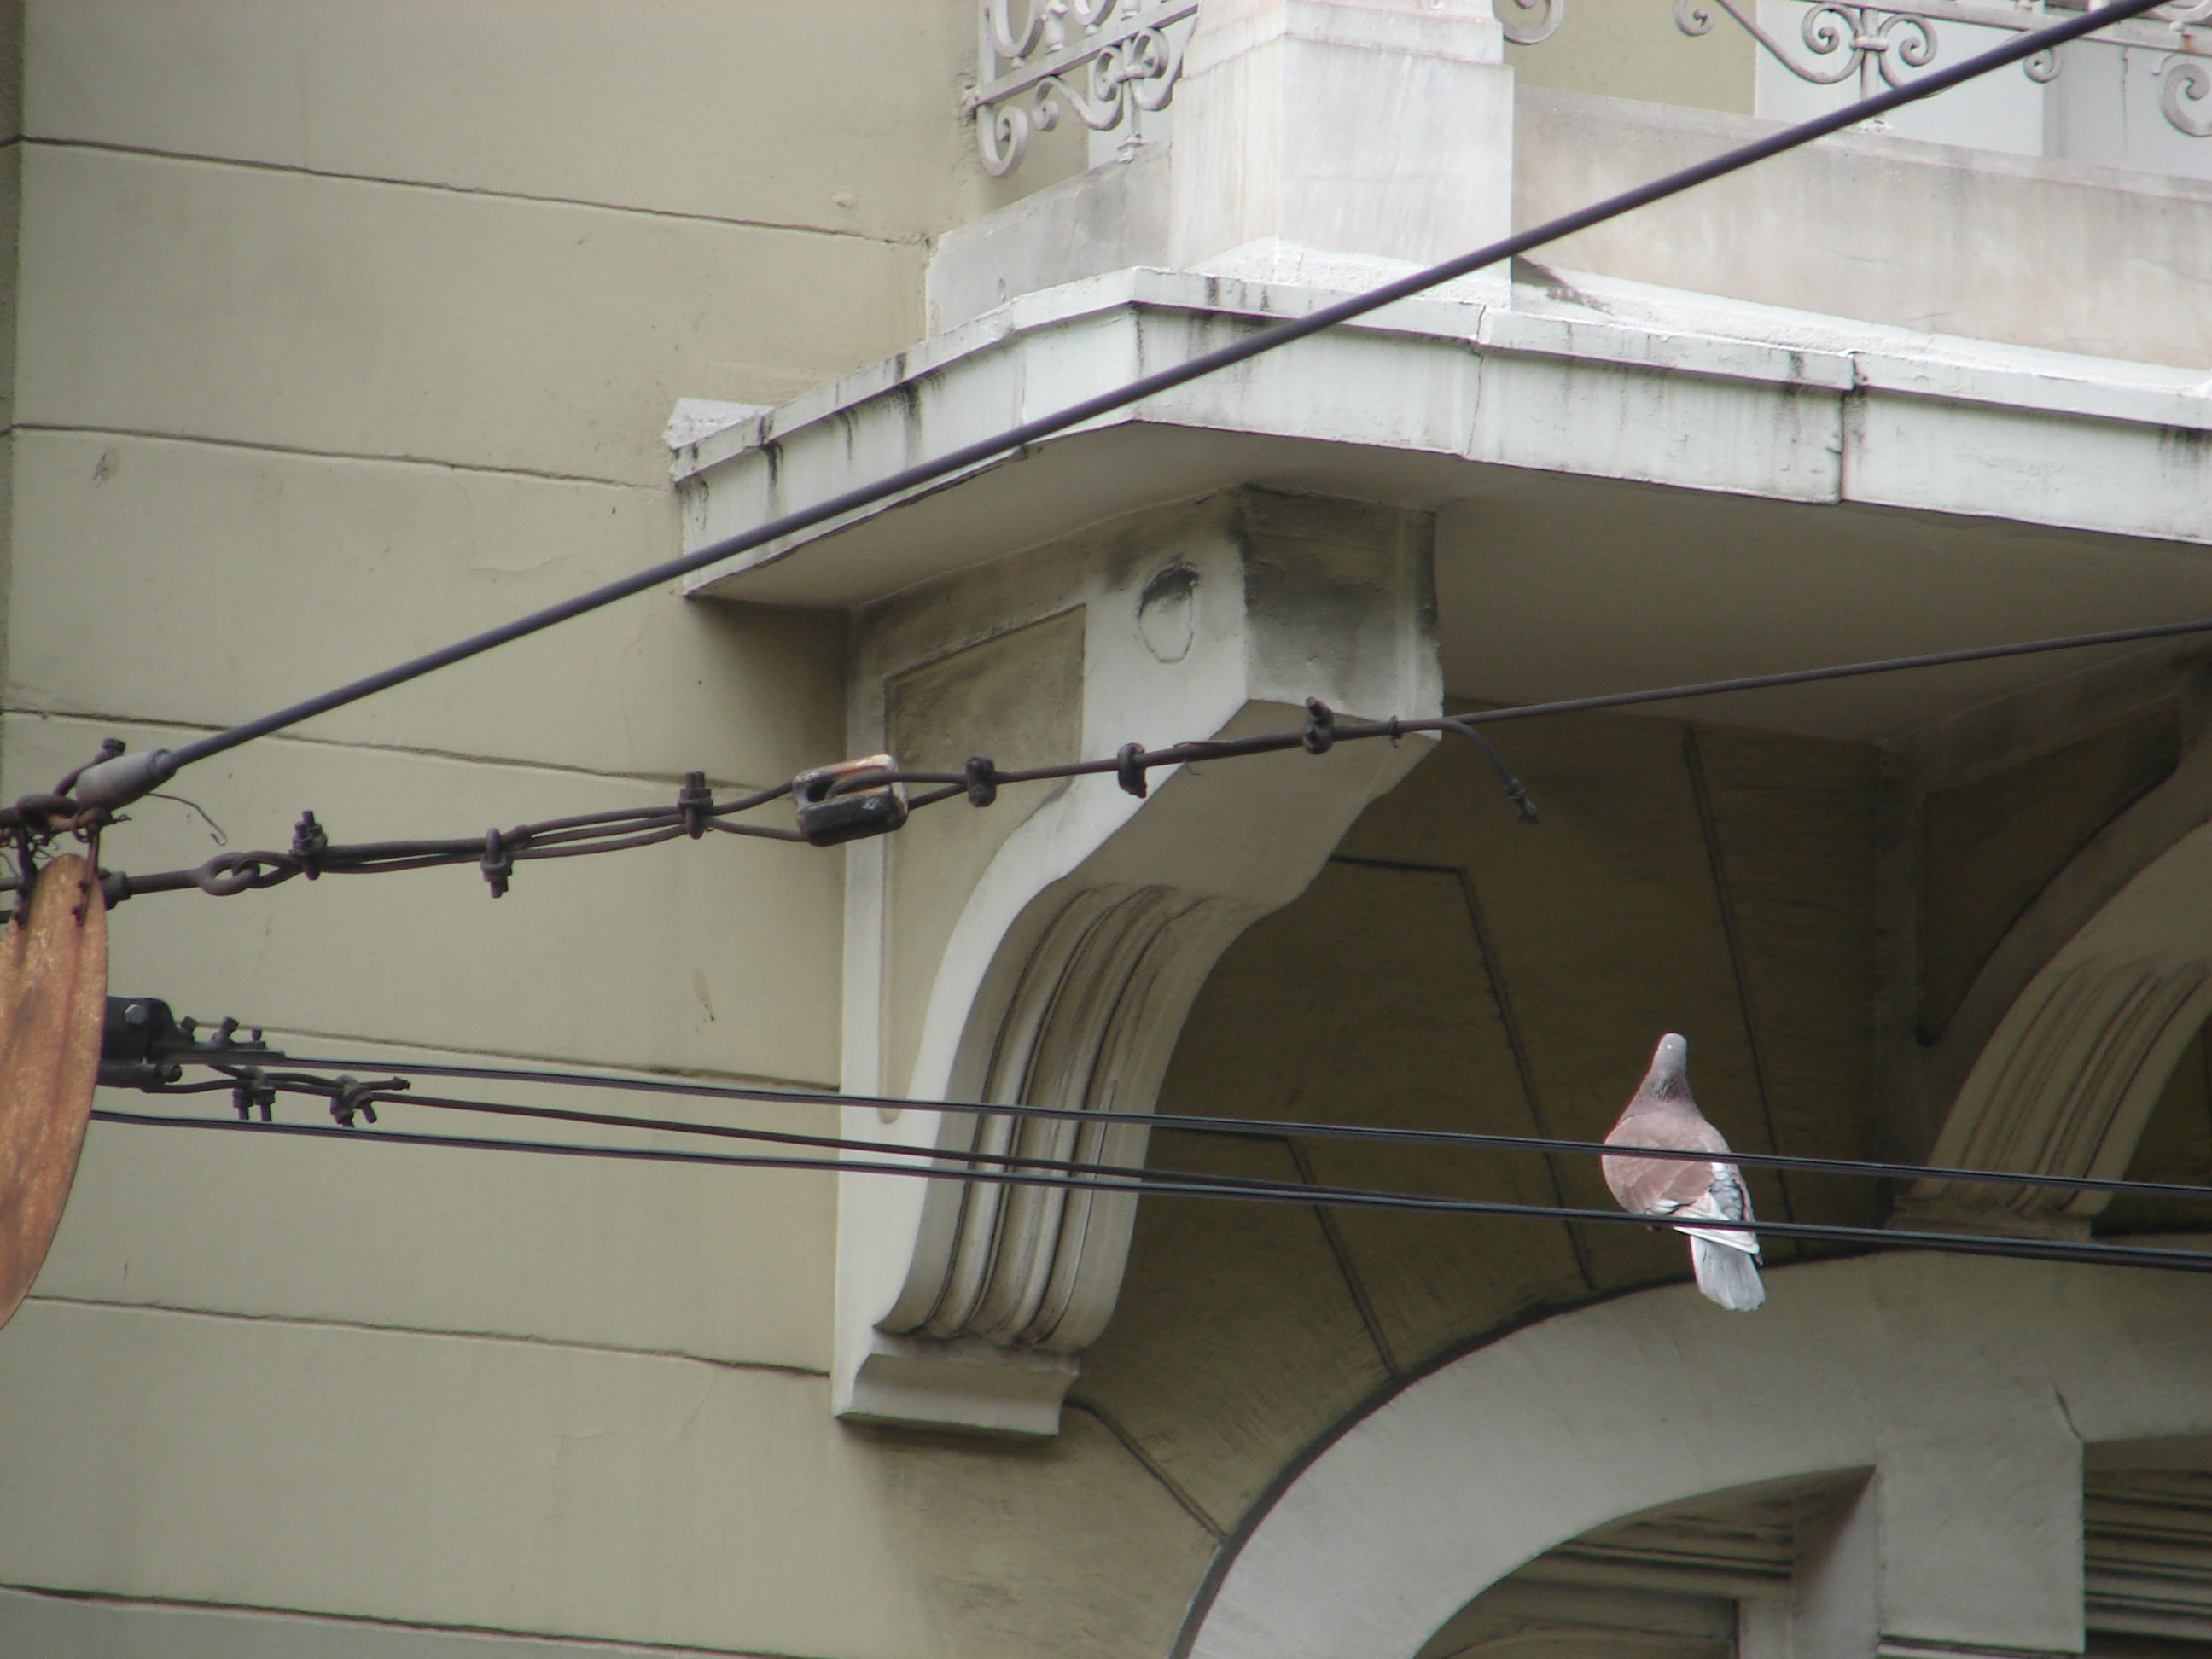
1416 404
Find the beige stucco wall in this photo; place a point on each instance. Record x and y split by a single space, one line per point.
591 1403
346 329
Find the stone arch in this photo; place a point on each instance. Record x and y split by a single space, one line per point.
1969 1385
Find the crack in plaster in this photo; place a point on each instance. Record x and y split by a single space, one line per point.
2066 1412
1509 1022
432 1333
799 1087
368 456
109 717
1709 828
1354 1285
250 1610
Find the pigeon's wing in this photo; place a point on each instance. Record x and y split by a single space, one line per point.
1661 1186
1725 1199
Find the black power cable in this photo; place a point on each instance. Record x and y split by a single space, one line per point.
116 782
312 854
1235 1127
1078 1177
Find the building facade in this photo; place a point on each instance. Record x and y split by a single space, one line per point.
336 330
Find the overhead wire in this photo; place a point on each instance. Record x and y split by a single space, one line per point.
312 854
1077 1176
1235 1127
117 780
498 851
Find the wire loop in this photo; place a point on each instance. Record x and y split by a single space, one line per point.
238 873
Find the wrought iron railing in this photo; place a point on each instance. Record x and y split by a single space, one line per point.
1100 61
1881 44
1104 61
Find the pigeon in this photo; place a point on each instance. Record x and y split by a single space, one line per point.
1662 1114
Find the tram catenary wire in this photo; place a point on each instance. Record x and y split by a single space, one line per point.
1179 1184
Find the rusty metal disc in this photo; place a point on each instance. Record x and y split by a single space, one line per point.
53 992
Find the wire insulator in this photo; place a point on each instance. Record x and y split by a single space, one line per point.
498 863
1320 735
850 800
309 843
1129 770
982 780
693 801
110 748
121 779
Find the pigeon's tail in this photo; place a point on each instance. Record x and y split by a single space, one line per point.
1727 1274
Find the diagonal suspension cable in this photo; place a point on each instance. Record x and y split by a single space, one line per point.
125 778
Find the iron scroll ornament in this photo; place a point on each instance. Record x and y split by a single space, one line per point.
1880 44
1102 60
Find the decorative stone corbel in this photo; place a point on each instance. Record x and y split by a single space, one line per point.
2066 1083
1046 948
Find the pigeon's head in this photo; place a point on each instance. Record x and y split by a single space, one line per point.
1670 1066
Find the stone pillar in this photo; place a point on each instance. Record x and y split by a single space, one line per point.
1306 128
1973 1552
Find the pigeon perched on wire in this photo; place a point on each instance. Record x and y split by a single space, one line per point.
1663 1114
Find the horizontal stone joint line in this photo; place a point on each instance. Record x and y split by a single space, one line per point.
250 1610
428 1333
489 193
392 459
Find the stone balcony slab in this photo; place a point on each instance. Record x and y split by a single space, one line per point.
1908 463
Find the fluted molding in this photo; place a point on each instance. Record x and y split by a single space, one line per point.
2067 1081
1082 939
1092 1025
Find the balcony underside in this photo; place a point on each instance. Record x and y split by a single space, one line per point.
1633 487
